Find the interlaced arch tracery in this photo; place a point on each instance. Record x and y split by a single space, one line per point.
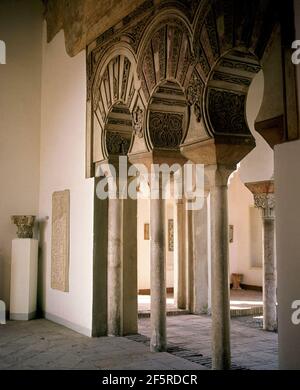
211 49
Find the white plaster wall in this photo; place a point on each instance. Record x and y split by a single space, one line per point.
287 168
240 200
144 246
20 93
63 167
258 165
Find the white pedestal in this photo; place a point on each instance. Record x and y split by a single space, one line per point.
23 285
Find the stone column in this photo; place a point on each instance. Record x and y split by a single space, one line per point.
265 201
220 306
200 238
179 255
190 260
114 269
122 266
158 273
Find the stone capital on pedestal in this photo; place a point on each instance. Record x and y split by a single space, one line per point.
24 224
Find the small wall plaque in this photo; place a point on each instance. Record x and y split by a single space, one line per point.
146 231
171 235
231 229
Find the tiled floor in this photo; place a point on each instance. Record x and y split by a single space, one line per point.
240 300
251 347
41 344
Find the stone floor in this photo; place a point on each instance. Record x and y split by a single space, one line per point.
251 347
242 302
41 344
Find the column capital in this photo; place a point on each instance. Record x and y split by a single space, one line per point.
265 202
264 197
180 201
24 224
218 175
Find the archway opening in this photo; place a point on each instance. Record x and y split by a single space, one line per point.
118 131
167 123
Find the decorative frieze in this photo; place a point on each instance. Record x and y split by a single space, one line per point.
229 78
238 65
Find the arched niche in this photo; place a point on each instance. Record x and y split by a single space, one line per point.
230 41
165 52
114 96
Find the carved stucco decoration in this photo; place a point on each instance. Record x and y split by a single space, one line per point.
166 55
138 121
240 65
117 144
60 240
24 224
169 43
227 112
166 129
194 94
113 85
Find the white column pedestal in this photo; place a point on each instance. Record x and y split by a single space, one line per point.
23 285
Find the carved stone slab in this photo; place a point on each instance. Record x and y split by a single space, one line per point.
60 240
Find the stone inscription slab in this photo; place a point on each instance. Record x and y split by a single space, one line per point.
60 240
171 235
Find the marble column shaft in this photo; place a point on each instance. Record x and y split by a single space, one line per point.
200 241
180 255
158 341
122 267
114 271
220 305
266 203
190 261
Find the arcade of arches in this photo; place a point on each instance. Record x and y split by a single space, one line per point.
173 82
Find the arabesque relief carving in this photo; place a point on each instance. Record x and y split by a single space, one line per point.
116 143
138 121
166 129
60 240
194 95
196 45
228 112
